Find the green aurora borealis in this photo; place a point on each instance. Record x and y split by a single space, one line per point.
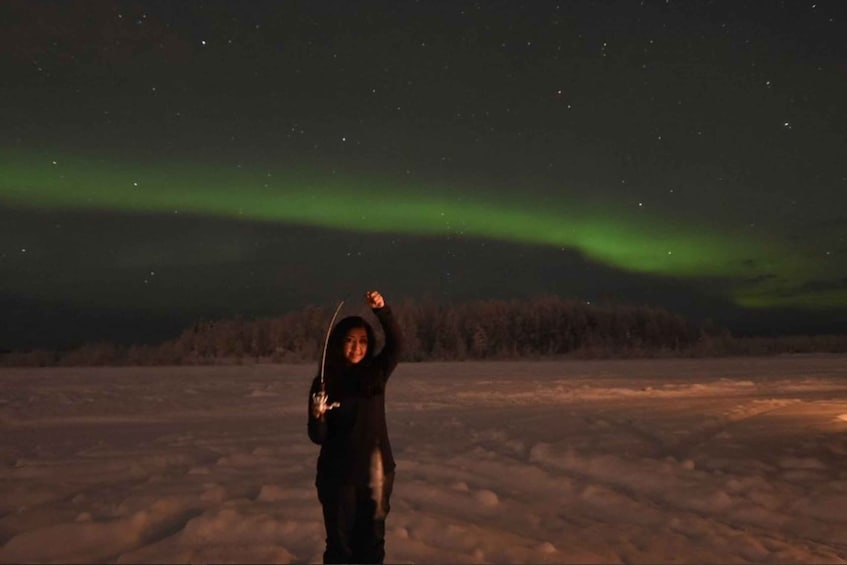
636 241
168 162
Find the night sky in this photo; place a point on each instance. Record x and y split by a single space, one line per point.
166 162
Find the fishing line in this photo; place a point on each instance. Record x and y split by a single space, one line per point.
326 344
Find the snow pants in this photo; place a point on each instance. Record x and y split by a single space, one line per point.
354 518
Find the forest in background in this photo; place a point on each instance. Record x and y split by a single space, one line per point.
546 327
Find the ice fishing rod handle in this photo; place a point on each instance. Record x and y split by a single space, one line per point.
320 401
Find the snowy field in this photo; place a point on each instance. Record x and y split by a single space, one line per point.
685 461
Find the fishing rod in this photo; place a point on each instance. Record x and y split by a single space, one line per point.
320 399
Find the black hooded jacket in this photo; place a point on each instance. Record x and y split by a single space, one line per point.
350 434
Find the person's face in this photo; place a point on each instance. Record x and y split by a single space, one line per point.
355 345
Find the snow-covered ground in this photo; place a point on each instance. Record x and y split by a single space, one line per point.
686 461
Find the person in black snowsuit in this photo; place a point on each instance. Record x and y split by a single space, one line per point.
355 472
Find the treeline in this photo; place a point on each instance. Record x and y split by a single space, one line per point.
540 328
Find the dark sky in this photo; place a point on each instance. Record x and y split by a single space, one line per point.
163 162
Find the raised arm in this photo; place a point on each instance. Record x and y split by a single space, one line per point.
391 351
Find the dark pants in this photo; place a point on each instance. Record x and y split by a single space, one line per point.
354 517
